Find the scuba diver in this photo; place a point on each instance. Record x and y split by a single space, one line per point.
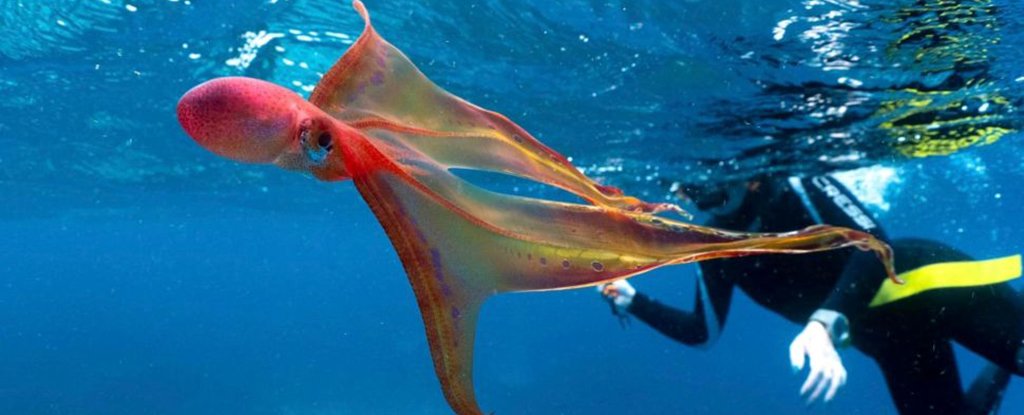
843 298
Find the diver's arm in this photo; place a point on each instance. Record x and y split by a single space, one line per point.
832 203
829 202
856 287
699 327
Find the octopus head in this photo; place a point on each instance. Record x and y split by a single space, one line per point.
254 121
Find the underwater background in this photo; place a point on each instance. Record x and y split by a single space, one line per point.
140 274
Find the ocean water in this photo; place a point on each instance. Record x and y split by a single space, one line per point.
140 274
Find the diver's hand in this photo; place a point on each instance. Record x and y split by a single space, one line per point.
620 293
826 368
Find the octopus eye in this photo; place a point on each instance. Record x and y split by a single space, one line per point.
316 149
325 142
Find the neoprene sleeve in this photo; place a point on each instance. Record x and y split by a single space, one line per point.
685 327
863 273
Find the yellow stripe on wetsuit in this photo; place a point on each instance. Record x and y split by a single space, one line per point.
949 275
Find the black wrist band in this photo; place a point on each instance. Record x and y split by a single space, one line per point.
837 325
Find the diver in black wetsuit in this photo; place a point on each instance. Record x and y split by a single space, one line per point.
832 293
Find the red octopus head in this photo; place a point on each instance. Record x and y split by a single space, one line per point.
254 121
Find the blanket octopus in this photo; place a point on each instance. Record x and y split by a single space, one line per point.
376 120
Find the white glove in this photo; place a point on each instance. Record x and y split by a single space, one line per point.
826 369
620 293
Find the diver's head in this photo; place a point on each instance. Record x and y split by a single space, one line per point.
254 121
728 199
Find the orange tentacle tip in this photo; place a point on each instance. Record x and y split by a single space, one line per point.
361 9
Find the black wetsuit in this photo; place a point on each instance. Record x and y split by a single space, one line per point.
910 338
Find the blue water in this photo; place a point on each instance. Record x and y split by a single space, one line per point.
140 274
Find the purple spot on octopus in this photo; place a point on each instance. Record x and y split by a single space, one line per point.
378 78
456 313
565 264
419 233
435 260
597 266
543 261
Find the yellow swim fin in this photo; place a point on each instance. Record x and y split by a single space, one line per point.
948 275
